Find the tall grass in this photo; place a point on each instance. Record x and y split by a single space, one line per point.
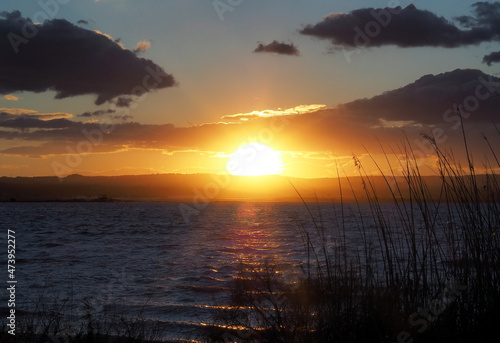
57 320
423 268
427 268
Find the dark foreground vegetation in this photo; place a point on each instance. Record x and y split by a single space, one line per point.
54 319
428 270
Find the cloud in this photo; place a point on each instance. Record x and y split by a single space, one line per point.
71 61
278 48
95 113
123 117
301 109
123 101
408 27
14 15
486 15
28 123
10 97
494 57
53 148
142 46
426 100
15 113
82 21
423 106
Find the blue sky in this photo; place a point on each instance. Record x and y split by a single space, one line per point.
218 74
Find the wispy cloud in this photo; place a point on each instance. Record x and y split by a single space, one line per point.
10 97
17 113
301 109
142 46
97 113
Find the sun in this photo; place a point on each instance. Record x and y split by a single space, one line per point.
254 159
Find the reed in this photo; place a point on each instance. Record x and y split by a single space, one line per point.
427 268
55 319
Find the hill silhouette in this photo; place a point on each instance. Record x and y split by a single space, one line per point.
200 188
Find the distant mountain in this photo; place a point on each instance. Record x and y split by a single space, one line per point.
196 188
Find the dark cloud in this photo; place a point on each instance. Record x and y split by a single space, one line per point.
53 148
423 106
408 27
11 15
426 100
72 61
55 135
29 123
494 57
81 21
95 113
278 48
486 16
123 117
123 101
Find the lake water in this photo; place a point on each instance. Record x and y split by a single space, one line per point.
146 257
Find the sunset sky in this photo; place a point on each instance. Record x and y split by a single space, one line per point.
116 87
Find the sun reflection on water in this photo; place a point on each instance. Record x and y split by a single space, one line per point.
255 242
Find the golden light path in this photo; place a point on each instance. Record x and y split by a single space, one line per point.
255 159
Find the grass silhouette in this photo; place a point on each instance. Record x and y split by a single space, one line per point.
427 268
